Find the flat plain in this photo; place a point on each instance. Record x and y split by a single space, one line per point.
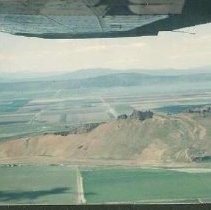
146 186
38 185
32 108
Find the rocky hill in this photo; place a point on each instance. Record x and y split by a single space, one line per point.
158 140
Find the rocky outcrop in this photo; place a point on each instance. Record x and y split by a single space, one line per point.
85 128
137 115
198 159
200 110
122 117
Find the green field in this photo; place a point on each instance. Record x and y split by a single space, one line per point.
38 185
145 186
59 185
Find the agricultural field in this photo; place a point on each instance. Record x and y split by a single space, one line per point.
38 185
30 109
146 186
102 185
47 116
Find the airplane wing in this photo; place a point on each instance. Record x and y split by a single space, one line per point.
68 19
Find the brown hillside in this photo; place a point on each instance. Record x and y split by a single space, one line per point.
163 139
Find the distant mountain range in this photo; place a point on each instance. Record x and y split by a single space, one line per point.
92 73
109 80
79 74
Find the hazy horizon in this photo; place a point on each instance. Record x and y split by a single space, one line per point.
169 50
106 71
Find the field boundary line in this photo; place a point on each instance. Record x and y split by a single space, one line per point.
80 189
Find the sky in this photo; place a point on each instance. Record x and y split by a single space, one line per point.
168 50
